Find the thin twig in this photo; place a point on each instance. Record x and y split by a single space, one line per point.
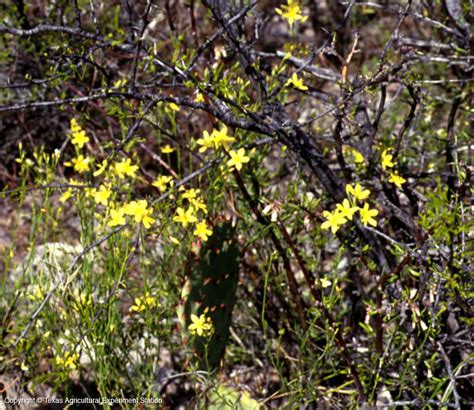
452 379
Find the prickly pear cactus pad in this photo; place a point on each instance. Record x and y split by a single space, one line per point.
211 290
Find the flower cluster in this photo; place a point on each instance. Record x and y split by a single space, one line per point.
139 210
79 138
189 216
118 171
201 325
220 139
143 303
345 211
68 361
124 169
387 163
214 140
191 209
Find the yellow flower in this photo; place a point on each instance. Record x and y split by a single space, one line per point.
79 137
199 98
237 159
387 159
217 139
138 307
101 168
66 195
296 82
357 192
161 182
201 325
102 195
334 220
185 217
69 361
75 127
140 211
367 214
190 194
80 164
357 157
207 141
174 107
145 302
167 149
37 294
346 210
116 217
292 12
198 203
202 231
125 168
221 138
396 179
